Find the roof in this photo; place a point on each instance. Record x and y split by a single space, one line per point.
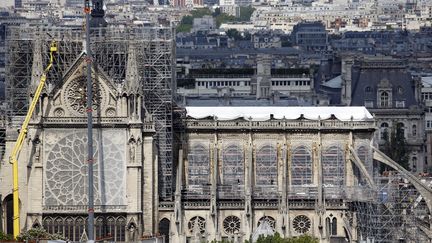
334 83
262 113
370 78
427 82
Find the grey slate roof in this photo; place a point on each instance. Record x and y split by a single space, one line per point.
371 77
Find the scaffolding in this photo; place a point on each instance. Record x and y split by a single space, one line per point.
154 49
392 215
2 136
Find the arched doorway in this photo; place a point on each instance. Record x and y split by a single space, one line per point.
8 209
164 228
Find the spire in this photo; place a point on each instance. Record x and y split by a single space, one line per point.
132 77
37 68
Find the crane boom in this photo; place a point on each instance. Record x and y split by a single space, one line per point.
13 159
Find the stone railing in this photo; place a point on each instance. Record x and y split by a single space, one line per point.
279 124
77 120
83 208
301 204
149 127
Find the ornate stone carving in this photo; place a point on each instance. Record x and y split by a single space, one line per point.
197 223
231 225
76 95
301 224
110 112
59 112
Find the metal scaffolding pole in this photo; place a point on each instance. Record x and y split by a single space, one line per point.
89 126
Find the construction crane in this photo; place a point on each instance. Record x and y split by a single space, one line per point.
13 159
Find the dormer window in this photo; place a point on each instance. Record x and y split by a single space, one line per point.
400 90
384 99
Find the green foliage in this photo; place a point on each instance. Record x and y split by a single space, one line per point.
200 12
246 13
233 33
184 28
5 237
221 241
224 18
187 21
303 239
277 238
217 12
396 146
38 234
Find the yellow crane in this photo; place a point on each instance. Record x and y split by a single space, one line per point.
13 159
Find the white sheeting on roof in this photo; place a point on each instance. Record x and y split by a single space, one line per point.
262 113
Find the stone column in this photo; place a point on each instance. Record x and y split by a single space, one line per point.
320 203
213 190
349 175
149 197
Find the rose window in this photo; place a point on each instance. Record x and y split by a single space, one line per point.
197 223
76 95
66 169
301 224
231 225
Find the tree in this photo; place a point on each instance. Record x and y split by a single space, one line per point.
186 22
38 234
233 33
396 146
5 237
217 12
246 13
277 238
224 18
303 239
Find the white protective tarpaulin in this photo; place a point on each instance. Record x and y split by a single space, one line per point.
263 113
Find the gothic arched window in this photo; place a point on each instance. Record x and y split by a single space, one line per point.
266 166
301 166
333 166
233 170
164 229
199 166
414 130
331 224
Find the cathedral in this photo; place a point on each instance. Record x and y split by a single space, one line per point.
190 174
